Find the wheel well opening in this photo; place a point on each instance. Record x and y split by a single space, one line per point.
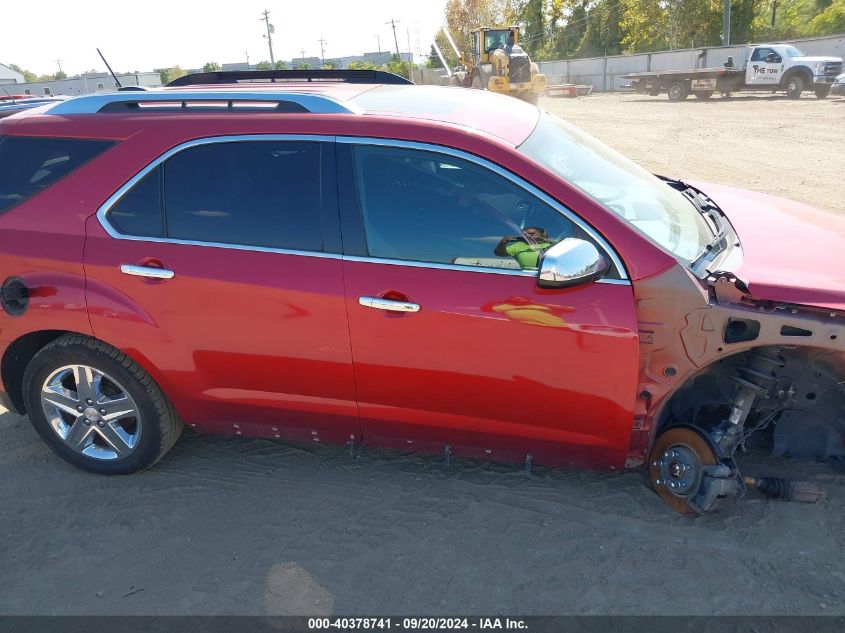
16 359
798 409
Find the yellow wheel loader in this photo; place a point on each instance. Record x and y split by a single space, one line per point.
498 63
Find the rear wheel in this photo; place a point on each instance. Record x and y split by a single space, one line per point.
676 466
822 91
794 86
97 408
678 91
704 94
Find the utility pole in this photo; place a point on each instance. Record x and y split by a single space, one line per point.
59 62
774 10
410 52
393 24
323 50
269 36
726 24
247 59
378 42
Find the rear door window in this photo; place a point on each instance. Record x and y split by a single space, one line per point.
31 164
247 193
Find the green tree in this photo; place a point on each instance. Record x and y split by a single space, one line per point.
264 65
433 60
281 65
831 20
211 67
28 76
362 65
169 74
645 25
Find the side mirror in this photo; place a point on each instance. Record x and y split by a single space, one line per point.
571 262
771 58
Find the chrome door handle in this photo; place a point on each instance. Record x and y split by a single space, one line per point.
146 271
387 304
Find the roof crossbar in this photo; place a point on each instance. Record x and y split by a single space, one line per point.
149 100
236 76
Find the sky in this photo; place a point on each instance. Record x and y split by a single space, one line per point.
162 33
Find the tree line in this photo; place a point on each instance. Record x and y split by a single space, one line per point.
561 29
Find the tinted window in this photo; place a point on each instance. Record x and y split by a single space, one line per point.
429 207
29 165
261 193
139 211
760 54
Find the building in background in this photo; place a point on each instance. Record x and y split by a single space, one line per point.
9 76
87 84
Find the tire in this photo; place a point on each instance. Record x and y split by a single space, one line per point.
677 91
476 83
703 94
138 428
794 86
532 98
822 91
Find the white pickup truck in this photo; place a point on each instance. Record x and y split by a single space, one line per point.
769 67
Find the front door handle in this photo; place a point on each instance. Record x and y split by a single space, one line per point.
146 271
387 304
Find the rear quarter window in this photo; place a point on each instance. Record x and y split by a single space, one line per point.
31 164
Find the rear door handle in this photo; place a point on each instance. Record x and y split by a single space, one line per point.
387 304
146 271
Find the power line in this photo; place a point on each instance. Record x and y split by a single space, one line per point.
266 20
393 24
322 50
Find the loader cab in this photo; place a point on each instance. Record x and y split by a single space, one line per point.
486 40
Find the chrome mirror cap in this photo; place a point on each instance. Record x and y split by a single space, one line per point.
571 262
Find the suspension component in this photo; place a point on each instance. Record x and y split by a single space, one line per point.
786 489
758 380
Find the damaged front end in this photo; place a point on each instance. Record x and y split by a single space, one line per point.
722 369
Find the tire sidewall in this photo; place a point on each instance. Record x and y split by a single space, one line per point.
681 91
54 356
794 86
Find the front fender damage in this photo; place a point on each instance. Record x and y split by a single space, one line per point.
714 356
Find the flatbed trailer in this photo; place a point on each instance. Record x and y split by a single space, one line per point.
769 67
679 84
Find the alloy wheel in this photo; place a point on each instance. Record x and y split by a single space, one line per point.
91 412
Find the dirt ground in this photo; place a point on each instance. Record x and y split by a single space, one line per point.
245 526
768 143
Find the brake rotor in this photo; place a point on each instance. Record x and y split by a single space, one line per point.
676 466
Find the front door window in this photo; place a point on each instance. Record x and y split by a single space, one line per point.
425 207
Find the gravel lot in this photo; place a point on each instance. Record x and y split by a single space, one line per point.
238 526
768 143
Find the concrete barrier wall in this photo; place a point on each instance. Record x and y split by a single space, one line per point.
605 73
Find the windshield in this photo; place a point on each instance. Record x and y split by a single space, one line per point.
495 39
791 51
647 203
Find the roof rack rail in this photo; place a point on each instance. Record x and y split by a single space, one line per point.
151 100
235 76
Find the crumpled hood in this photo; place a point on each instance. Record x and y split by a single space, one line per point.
792 252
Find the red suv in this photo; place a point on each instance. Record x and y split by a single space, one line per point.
362 261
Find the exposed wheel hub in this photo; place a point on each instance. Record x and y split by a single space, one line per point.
677 466
679 469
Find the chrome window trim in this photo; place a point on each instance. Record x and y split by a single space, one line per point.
314 103
464 269
102 211
104 208
519 182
